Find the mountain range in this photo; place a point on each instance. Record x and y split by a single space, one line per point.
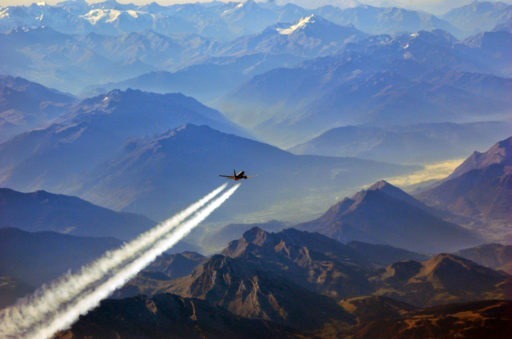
416 78
91 133
109 42
479 16
256 276
209 79
423 143
95 149
326 266
218 20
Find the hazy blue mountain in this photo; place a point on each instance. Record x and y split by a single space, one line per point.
218 20
480 188
41 15
209 80
59 157
93 58
384 214
160 174
491 50
311 36
66 58
479 16
43 211
37 258
225 21
385 20
505 26
114 42
25 105
405 144
382 81
495 256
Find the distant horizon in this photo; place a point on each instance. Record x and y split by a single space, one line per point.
433 6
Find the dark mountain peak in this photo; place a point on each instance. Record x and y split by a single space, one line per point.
379 191
383 189
447 259
380 185
256 236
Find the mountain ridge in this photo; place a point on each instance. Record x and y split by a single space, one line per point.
409 223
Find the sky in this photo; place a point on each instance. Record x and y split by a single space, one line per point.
434 6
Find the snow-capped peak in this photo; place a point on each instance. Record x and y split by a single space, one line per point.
299 25
234 9
4 12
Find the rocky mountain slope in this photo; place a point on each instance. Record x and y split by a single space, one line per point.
480 188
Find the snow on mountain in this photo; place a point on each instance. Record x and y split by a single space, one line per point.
300 25
221 20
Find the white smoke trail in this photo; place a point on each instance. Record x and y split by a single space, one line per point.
47 300
70 313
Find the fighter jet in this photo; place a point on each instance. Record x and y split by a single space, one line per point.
236 176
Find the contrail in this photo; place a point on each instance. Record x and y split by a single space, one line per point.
23 317
70 313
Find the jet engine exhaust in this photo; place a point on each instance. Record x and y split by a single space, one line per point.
57 306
